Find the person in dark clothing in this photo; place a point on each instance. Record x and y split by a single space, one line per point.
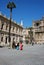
13 44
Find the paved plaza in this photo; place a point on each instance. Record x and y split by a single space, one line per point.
30 55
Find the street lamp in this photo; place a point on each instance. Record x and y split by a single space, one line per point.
10 6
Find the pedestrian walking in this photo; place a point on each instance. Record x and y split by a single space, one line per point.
13 44
17 46
21 46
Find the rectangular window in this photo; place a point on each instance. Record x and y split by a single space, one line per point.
2 26
6 27
13 29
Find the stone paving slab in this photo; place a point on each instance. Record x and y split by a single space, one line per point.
30 55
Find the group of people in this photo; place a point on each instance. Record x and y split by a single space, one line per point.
18 46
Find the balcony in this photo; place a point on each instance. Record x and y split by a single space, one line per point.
39 30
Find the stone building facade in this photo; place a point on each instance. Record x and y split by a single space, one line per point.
35 33
19 33
27 34
16 31
38 30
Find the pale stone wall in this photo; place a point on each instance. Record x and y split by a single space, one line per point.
38 31
16 31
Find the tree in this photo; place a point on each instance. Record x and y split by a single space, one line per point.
31 35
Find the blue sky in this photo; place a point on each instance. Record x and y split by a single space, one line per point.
26 10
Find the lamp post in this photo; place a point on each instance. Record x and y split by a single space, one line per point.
10 6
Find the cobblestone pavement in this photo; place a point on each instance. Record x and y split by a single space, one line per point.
30 55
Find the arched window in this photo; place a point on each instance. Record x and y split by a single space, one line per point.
2 25
1 39
6 40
